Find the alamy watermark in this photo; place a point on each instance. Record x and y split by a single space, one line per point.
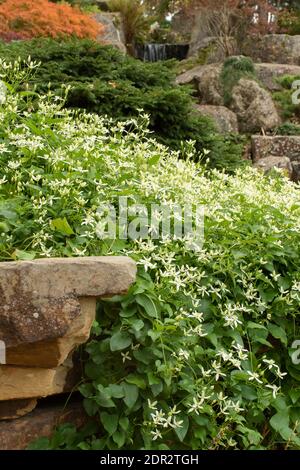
3 92
157 221
2 352
296 93
295 356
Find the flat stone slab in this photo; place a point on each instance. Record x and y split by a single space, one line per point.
47 306
14 409
268 163
269 73
276 146
39 300
224 119
273 48
19 383
19 433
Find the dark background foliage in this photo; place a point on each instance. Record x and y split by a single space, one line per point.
106 82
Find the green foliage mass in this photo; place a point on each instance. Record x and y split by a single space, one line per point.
288 128
235 68
284 97
198 354
106 82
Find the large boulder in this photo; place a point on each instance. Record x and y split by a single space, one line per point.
268 163
269 73
278 48
209 86
19 433
206 80
47 306
264 147
254 107
253 104
224 119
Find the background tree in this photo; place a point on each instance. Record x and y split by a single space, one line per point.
136 22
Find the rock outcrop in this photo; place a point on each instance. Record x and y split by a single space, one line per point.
52 302
254 107
268 163
17 434
273 48
287 147
206 80
264 146
267 75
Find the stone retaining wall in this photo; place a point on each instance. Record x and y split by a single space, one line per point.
47 307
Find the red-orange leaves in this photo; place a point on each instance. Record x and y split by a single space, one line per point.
29 18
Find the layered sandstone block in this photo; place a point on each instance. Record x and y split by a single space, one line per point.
47 308
17 434
285 150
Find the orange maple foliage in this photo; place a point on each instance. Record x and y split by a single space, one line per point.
31 18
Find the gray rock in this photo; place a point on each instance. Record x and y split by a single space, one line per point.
47 306
224 118
296 171
268 73
276 48
254 107
265 146
17 434
268 163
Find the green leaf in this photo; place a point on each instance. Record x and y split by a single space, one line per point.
42 443
136 324
124 423
119 438
103 397
136 380
131 394
148 304
268 295
116 391
104 401
294 394
153 160
62 226
182 431
4 228
253 325
278 333
86 389
110 422
23 255
120 340
280 423
90 406
152 379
